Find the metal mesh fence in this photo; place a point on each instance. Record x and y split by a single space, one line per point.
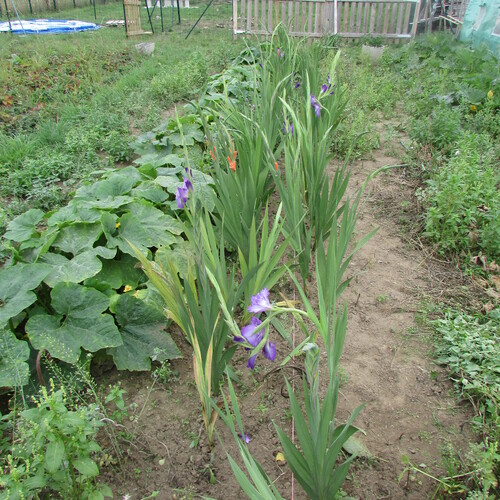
38 7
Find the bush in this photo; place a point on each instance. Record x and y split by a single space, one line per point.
55 451
470 348
463 200
441 130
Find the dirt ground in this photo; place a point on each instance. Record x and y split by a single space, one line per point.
410 407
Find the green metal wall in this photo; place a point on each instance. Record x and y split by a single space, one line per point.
482 24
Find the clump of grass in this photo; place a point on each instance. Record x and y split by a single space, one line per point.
180 81
441 129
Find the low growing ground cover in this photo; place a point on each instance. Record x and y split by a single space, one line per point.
247 243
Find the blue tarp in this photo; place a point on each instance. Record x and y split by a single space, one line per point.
46 26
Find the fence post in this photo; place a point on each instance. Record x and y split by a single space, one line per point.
415 19
235 18
335 18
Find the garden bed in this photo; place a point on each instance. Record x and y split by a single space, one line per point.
192 209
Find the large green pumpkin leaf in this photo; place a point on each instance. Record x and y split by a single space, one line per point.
152 219
16 283
204 192
80 323
159 159
14 370
169 171
182 253
169 182
151 192
145 226
75 270
119 183
75 211
143 331
131 230
110 224
109 202
78 237
104 252
42 244
117 273
23 227
206 195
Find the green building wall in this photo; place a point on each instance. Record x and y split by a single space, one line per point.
482 24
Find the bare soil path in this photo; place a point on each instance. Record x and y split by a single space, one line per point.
410 407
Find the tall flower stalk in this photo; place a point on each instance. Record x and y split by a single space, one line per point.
310 200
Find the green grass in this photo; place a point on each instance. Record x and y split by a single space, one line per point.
69 104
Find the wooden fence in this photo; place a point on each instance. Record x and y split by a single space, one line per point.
443 15
392 19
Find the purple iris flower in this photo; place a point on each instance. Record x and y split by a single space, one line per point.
250 333
245 437
181 196
251 362
280 53
269 351
324 88
183 192
260 302
316 105
297 85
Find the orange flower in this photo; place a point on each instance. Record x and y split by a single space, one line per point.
276 165
235 153
232 164
212 155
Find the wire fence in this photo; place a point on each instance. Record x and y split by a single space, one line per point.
29 7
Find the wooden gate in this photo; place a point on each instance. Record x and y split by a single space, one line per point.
393 19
